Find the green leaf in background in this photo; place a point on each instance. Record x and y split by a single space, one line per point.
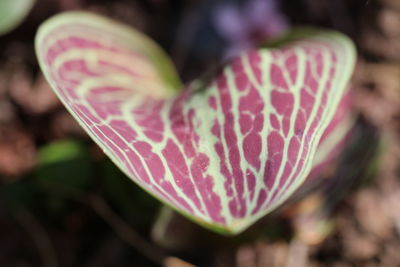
66 163
12 13
129 199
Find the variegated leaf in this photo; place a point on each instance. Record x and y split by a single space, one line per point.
334 140
224 155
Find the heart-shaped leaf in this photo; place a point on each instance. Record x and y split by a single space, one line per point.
224 154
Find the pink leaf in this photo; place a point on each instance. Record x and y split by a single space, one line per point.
224 156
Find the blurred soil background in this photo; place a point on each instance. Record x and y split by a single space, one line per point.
63 203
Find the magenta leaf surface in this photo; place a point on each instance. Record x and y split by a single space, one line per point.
225 155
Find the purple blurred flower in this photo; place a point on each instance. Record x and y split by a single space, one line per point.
256 21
